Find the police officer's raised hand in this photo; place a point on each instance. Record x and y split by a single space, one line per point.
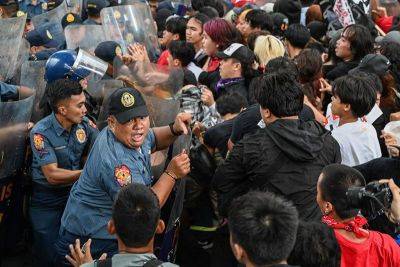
179 166
81 256
182 122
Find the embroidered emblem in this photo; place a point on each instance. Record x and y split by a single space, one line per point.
123 175
81 135
38 142
127 100
70 18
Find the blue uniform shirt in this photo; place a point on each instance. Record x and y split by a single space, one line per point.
110 166
8 92
51 143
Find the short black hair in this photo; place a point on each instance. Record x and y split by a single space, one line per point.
198 4
297 35
316 246
209 11
283 64
336 180
177 25
183 51
264 225
258 18
361 41
61 89
357 91
373 79
280 93
201 18
136 212
231 102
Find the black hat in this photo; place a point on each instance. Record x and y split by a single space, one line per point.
127 103
107 51
41 36
97 5
373 63
239 52
69 19
291 8
281 22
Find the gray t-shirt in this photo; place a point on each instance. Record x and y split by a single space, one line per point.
131 260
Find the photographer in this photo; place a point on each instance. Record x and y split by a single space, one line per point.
359 247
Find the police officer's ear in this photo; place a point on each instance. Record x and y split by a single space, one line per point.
111 122
62 110
160 227
111 227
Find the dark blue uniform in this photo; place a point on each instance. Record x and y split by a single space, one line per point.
8 92
51 143
110 166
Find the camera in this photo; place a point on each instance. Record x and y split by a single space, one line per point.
373 199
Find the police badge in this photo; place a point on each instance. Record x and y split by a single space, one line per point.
123 175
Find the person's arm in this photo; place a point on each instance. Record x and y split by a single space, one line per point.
58 176
228 180
165 137
24 92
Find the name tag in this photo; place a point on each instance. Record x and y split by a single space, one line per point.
60 147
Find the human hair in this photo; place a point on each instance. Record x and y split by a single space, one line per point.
283 64
314 13
183 51
209 12
373 79
316 246
317 46
222 32
200 18
61 89
297 35
232 102
336 180
258 18
357 91
309 65
264 225
197 5
360 38
279 92
177 25
268 47
251 39
391 50
136 212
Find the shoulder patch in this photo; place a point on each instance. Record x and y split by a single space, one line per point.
38 142
123 175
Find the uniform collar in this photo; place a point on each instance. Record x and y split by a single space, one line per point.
57 126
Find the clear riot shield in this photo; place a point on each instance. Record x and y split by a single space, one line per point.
86 37
23 56
75 6
151 79
32 75
131 24
14 121
11 31
53 18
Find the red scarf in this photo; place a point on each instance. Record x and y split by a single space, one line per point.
354 225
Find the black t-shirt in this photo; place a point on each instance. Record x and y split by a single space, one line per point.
218 136
247 121
341 69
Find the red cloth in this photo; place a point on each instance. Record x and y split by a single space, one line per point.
378 250
354 225
163 59
385 23
213 64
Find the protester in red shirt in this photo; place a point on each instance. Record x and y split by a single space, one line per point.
359 247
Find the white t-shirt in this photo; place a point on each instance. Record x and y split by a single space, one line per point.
358 142
196 70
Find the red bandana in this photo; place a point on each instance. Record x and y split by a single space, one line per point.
213 64
354 225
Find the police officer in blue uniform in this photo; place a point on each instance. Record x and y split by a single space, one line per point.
59 144
120 156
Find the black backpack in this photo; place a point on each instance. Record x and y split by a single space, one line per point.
151 263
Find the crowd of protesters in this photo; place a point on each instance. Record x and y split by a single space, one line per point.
291 109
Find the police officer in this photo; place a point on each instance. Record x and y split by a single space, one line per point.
41 40
120 156
93 9
108 51
33 7
59 143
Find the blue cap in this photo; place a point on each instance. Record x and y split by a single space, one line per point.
41 36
